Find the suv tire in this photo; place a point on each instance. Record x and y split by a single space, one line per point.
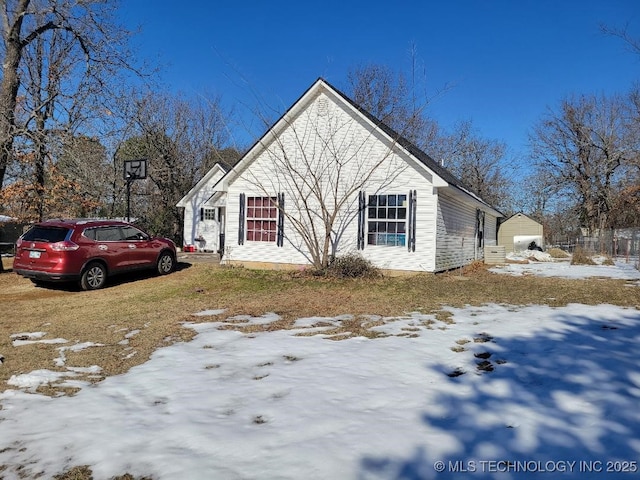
94 276
166 263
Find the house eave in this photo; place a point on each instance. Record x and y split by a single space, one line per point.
184 201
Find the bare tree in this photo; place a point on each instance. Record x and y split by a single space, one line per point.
581 149
633 43
483 165
321 163
397 102
537 194
83 160
180 138
61 57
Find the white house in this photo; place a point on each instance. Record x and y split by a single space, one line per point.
204 218
327 179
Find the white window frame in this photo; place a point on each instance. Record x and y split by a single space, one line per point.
387 216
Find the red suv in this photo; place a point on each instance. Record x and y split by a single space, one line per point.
88 251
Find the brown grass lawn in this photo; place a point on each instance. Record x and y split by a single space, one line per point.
158 306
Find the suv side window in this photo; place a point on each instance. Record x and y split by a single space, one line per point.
108 234
132 233
90 233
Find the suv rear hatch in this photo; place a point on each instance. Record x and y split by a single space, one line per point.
43 247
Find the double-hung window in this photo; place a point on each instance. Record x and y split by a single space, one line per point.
262 219
387 220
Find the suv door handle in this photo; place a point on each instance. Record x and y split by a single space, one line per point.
132 246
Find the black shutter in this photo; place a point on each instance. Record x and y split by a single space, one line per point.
241 218
280 237
411 227
201 214
480 227
362 208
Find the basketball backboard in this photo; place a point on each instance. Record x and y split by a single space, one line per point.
135 169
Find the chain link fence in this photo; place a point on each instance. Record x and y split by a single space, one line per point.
619 243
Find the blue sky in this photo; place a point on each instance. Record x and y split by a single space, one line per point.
505 61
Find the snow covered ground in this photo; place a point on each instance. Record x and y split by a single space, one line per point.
546 266
504 392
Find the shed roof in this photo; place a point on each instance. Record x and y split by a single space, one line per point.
519 216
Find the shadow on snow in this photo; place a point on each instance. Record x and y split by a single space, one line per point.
557 395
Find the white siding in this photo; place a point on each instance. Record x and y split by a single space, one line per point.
323 148
455 232
194 228
334 149
490 230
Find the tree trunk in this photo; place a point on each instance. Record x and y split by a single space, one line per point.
9 86
40 160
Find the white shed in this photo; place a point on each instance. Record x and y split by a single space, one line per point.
518 231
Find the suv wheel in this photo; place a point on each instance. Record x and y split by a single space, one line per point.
93 277
165 263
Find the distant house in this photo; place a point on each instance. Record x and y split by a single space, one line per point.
204 217
518 231
398 207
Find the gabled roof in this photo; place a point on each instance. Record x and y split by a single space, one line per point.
410 147
217 168
395 137
520 215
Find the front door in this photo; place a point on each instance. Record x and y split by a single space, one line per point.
208 230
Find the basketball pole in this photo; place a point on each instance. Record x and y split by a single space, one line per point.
128 197
133 170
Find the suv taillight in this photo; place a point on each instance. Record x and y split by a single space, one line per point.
64 246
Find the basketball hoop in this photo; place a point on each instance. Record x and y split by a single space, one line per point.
133 170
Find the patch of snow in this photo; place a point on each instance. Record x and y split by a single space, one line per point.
249 320
27 335
19 343
132 333
563 384
81 346
530 255
209 313
620 270
62 358
92 369
404 326
31 381
320 324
